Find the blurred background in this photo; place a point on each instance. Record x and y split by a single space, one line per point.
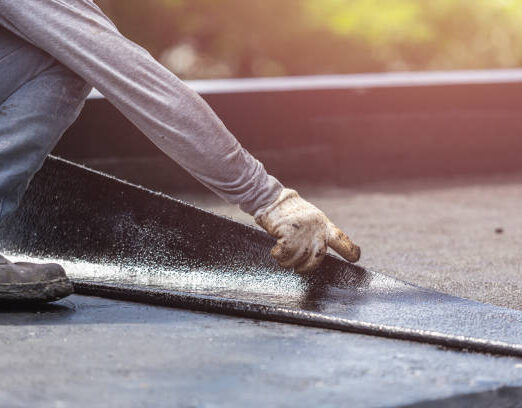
351 134
236 38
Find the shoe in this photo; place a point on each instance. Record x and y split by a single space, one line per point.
24 282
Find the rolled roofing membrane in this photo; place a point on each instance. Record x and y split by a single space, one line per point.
123 241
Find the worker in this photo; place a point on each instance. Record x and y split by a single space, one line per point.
52 52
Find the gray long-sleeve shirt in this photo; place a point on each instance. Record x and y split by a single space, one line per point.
176 119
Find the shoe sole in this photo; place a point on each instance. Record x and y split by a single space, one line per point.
42 292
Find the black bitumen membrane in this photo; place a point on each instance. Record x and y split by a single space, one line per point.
125 242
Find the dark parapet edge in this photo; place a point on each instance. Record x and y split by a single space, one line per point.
211 304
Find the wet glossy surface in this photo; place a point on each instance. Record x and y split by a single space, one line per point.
120 241
91 352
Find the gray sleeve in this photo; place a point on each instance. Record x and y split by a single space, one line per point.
174 117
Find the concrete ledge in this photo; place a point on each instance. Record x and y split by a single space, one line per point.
353 81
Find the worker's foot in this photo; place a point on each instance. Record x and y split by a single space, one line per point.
24 282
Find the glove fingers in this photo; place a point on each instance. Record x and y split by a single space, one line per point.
300 255
281 252
343 245
314 260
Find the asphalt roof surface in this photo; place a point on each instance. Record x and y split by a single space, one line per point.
461 236
89 352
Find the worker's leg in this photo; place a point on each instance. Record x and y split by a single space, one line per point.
39 99
177 120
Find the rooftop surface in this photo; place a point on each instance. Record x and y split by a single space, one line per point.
459 235
84 351
97 352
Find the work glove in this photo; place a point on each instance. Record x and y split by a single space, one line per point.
303 233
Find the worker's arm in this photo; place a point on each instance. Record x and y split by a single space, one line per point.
175 118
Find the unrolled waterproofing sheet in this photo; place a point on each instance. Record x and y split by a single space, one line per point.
123 241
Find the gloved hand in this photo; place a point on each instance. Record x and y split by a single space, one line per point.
303 233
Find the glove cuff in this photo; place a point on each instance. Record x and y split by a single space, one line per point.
263 212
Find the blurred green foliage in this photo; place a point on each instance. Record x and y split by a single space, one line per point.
241 38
